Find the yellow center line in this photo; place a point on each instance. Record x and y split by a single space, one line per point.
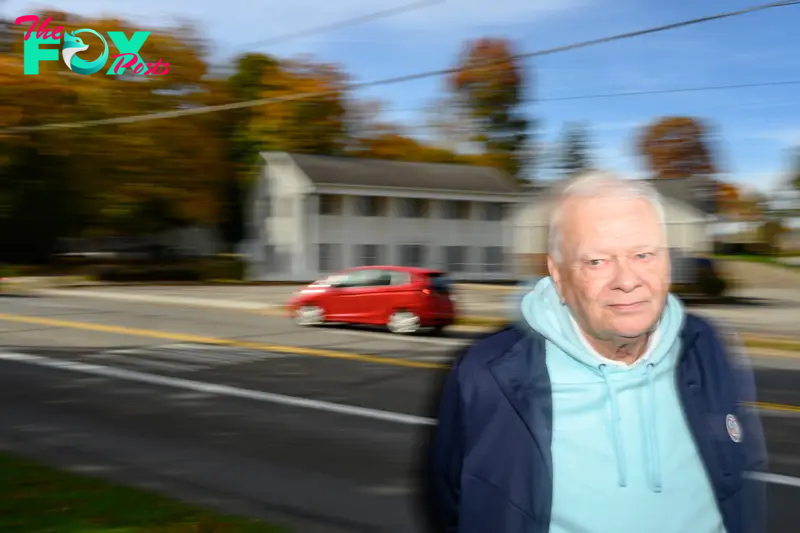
777 407
298 350
199 339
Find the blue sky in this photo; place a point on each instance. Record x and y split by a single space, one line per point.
754 126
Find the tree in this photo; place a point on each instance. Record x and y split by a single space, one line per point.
729 199
312 124
676 147
489 83
101 180
794 176
574 149
453 130
254 73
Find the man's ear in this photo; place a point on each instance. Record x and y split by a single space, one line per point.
555 275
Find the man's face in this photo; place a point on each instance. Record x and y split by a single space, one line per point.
615 272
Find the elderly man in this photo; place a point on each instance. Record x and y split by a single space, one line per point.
608 408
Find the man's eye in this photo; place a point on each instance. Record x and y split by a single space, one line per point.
646 255
596 262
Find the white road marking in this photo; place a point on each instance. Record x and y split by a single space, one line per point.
226 390
214 388
777 479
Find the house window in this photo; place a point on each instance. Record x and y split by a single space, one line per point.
455 210
412 207
412 255
368 254
369 206
455 259
492 211
493 259
330 204
328 257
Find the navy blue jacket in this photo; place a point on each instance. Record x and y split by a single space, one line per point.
491 464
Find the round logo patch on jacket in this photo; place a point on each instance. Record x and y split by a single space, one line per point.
734 429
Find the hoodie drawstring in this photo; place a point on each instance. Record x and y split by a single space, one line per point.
653 456
619 448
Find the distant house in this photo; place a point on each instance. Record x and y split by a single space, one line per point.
688 204
312 215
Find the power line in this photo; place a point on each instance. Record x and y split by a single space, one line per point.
674 90
397 79
342 23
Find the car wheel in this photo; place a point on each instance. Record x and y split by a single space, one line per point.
309 315
404 322
437 330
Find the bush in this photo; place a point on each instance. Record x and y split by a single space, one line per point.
218 268
121 274
224 268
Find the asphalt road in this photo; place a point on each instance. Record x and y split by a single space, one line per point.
326 440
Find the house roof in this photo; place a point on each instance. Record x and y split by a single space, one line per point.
361 172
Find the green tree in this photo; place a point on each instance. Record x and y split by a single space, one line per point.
794 176
575 156
490 84
314 124
251 77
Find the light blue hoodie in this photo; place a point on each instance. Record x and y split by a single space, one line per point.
624 459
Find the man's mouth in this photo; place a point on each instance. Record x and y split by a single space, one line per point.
628 307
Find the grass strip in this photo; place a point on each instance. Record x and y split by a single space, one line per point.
41 499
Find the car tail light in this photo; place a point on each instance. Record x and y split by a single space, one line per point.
426 291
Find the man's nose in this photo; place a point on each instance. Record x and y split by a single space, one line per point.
625 276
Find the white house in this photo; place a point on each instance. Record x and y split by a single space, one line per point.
312 215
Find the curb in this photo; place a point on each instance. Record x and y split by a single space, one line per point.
159 300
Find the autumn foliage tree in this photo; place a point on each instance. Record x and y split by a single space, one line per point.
676 147
729 198
489 83
112 179
144 177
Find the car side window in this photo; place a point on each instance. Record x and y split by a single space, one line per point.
380 278
376 278
399 278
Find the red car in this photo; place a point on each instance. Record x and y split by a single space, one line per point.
404 299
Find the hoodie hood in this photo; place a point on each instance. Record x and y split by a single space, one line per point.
574 361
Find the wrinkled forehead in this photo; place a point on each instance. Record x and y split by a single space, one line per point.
609 223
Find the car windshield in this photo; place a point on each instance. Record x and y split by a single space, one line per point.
440 282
